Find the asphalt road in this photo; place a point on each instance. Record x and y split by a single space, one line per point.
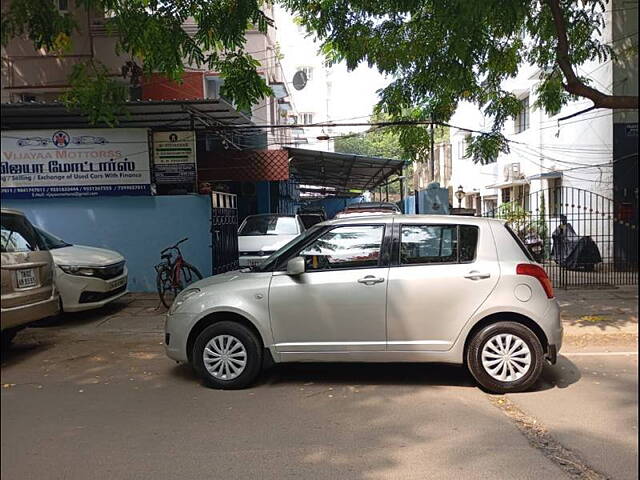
97 399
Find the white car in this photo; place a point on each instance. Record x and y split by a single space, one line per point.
86 277
261 235
387 288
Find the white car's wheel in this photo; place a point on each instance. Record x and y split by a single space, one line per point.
227 355
505 357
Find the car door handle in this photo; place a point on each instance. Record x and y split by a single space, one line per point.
475 275
370 280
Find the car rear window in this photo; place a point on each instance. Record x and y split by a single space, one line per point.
309 220
426 244
520 243
18 235
269 225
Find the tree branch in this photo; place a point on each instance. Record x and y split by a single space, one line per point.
574 85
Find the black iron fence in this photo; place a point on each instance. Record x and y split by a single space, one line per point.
224 232
580 237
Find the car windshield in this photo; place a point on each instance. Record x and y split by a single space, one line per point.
268 225
51 240
272 260
18 235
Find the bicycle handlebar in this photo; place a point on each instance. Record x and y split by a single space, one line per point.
174 246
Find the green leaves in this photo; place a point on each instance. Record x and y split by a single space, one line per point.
439 52
40 21
485 148
243 85
163 37
551 93
91 81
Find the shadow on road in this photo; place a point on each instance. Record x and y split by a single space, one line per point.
68 320
561 375
17 353
369 373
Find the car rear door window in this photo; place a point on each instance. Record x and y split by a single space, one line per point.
468 242
345 247
426 244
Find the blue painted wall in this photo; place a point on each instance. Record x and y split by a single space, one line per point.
409 205
263 193
137 227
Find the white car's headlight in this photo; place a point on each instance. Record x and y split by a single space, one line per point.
183 297
77 270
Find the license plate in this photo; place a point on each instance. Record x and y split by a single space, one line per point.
119 283
254 263
26 278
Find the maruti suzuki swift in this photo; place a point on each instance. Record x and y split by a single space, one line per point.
394 288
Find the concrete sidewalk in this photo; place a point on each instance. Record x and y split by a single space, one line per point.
599 312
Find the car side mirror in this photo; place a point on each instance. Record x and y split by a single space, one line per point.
296 266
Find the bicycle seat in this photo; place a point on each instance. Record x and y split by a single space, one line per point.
166 256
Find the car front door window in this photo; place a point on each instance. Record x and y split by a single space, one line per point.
345 247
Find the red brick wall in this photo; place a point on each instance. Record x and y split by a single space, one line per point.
247 165
158 87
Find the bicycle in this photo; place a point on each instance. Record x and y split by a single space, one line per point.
174 274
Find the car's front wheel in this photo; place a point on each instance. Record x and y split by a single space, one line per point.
227 355
505 357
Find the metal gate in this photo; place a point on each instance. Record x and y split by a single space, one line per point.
224 232
580 237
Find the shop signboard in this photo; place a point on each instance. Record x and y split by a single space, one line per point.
75 163
174 157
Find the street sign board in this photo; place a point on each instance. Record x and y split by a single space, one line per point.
75 163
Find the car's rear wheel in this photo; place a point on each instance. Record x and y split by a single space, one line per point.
505 357
227 355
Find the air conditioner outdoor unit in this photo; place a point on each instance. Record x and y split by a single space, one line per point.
512 172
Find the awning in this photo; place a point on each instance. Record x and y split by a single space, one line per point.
545 175
510 183
173 114
279 89
284 105
340 173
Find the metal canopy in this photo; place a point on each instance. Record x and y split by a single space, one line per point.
158 115
340 173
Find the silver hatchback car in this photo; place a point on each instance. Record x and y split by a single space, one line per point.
395 288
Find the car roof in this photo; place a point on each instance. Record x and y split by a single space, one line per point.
11 210
370 205
271 215
411 219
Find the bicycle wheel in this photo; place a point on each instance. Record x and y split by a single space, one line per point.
166 290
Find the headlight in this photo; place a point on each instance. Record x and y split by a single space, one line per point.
76 270
183 297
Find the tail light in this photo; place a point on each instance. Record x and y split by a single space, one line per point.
538 272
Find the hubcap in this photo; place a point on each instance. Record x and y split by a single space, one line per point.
225 357
506 357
